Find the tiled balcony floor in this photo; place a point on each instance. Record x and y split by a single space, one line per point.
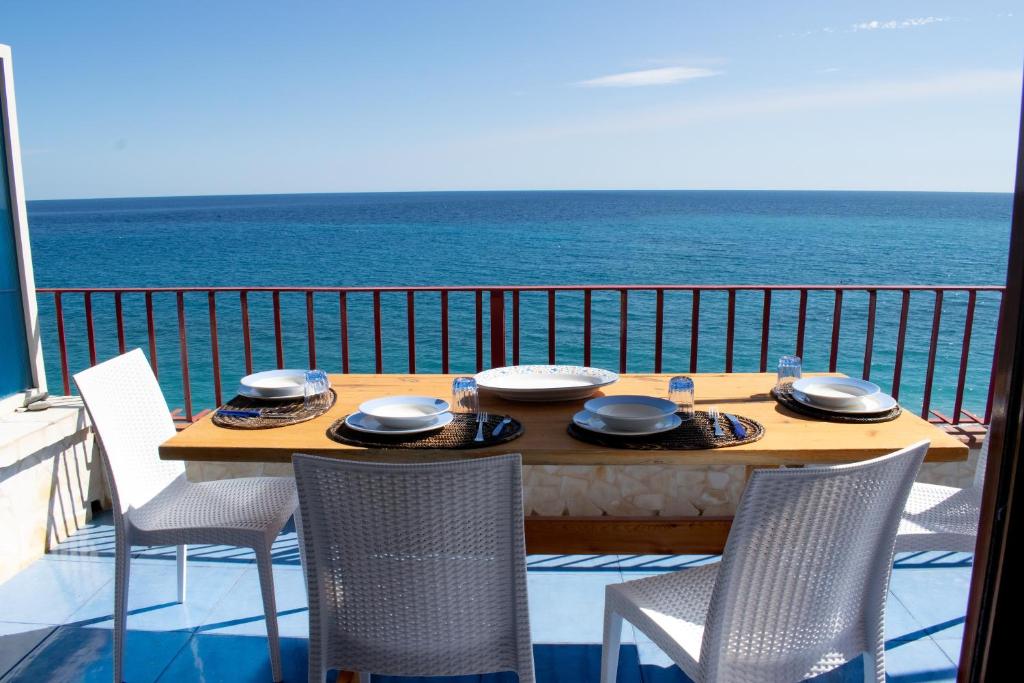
55 616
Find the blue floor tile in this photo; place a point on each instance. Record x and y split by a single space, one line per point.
917 590
82 655
568 607
94 544
501 677
240 611
900 624
18 640
917 661
933 560
850 672
950 647
552 664
575 663
202 554
905 662
594 563
648 564
48 592
152 598
655 665
235 659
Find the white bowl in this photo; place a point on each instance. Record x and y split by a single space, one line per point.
631 413
405 412
836 392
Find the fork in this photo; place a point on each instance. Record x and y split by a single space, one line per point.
713 416
481 418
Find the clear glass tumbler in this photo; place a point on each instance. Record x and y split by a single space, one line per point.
316 383
789 371
465 397
680 392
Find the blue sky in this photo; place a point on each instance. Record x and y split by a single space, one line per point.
141 99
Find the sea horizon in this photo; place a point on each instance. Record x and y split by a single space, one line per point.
1008 193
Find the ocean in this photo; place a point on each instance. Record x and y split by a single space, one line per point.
527 238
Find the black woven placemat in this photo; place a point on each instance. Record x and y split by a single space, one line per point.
458 434
285 412
785 399
695 434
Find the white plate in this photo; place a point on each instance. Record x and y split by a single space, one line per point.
544 382
287 383
590 421
364 423
870 405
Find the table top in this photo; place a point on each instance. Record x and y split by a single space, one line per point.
789 439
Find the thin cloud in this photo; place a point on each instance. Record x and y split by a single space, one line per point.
914 22
634 79
759 104
873 25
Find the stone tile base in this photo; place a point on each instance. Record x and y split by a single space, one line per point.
628 490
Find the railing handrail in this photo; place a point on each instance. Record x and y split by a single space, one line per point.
497 330
527 288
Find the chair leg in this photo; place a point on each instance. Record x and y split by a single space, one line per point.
122 567
182 576
266 571
317 671
610 646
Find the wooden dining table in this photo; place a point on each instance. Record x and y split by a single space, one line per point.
790 439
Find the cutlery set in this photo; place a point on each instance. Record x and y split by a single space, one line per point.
737 428
252 413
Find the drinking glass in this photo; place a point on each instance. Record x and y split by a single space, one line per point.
680 392
315 383
789 371
465 397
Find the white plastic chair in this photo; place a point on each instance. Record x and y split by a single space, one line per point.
801 587
943 517
154 504
414 570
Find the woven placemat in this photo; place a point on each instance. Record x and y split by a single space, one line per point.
695 434
457 435
785 399
284 412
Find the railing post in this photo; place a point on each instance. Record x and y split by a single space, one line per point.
65 375
497 328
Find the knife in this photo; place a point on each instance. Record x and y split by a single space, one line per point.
737 428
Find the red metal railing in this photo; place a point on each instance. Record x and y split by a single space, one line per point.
499 338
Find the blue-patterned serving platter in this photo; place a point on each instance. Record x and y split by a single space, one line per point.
544 382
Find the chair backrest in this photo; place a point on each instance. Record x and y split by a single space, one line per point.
130 415
415 570
804 575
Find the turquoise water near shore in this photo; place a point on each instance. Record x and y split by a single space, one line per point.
506 238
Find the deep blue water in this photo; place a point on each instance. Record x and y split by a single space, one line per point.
494 238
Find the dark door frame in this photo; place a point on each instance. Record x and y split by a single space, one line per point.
989 645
